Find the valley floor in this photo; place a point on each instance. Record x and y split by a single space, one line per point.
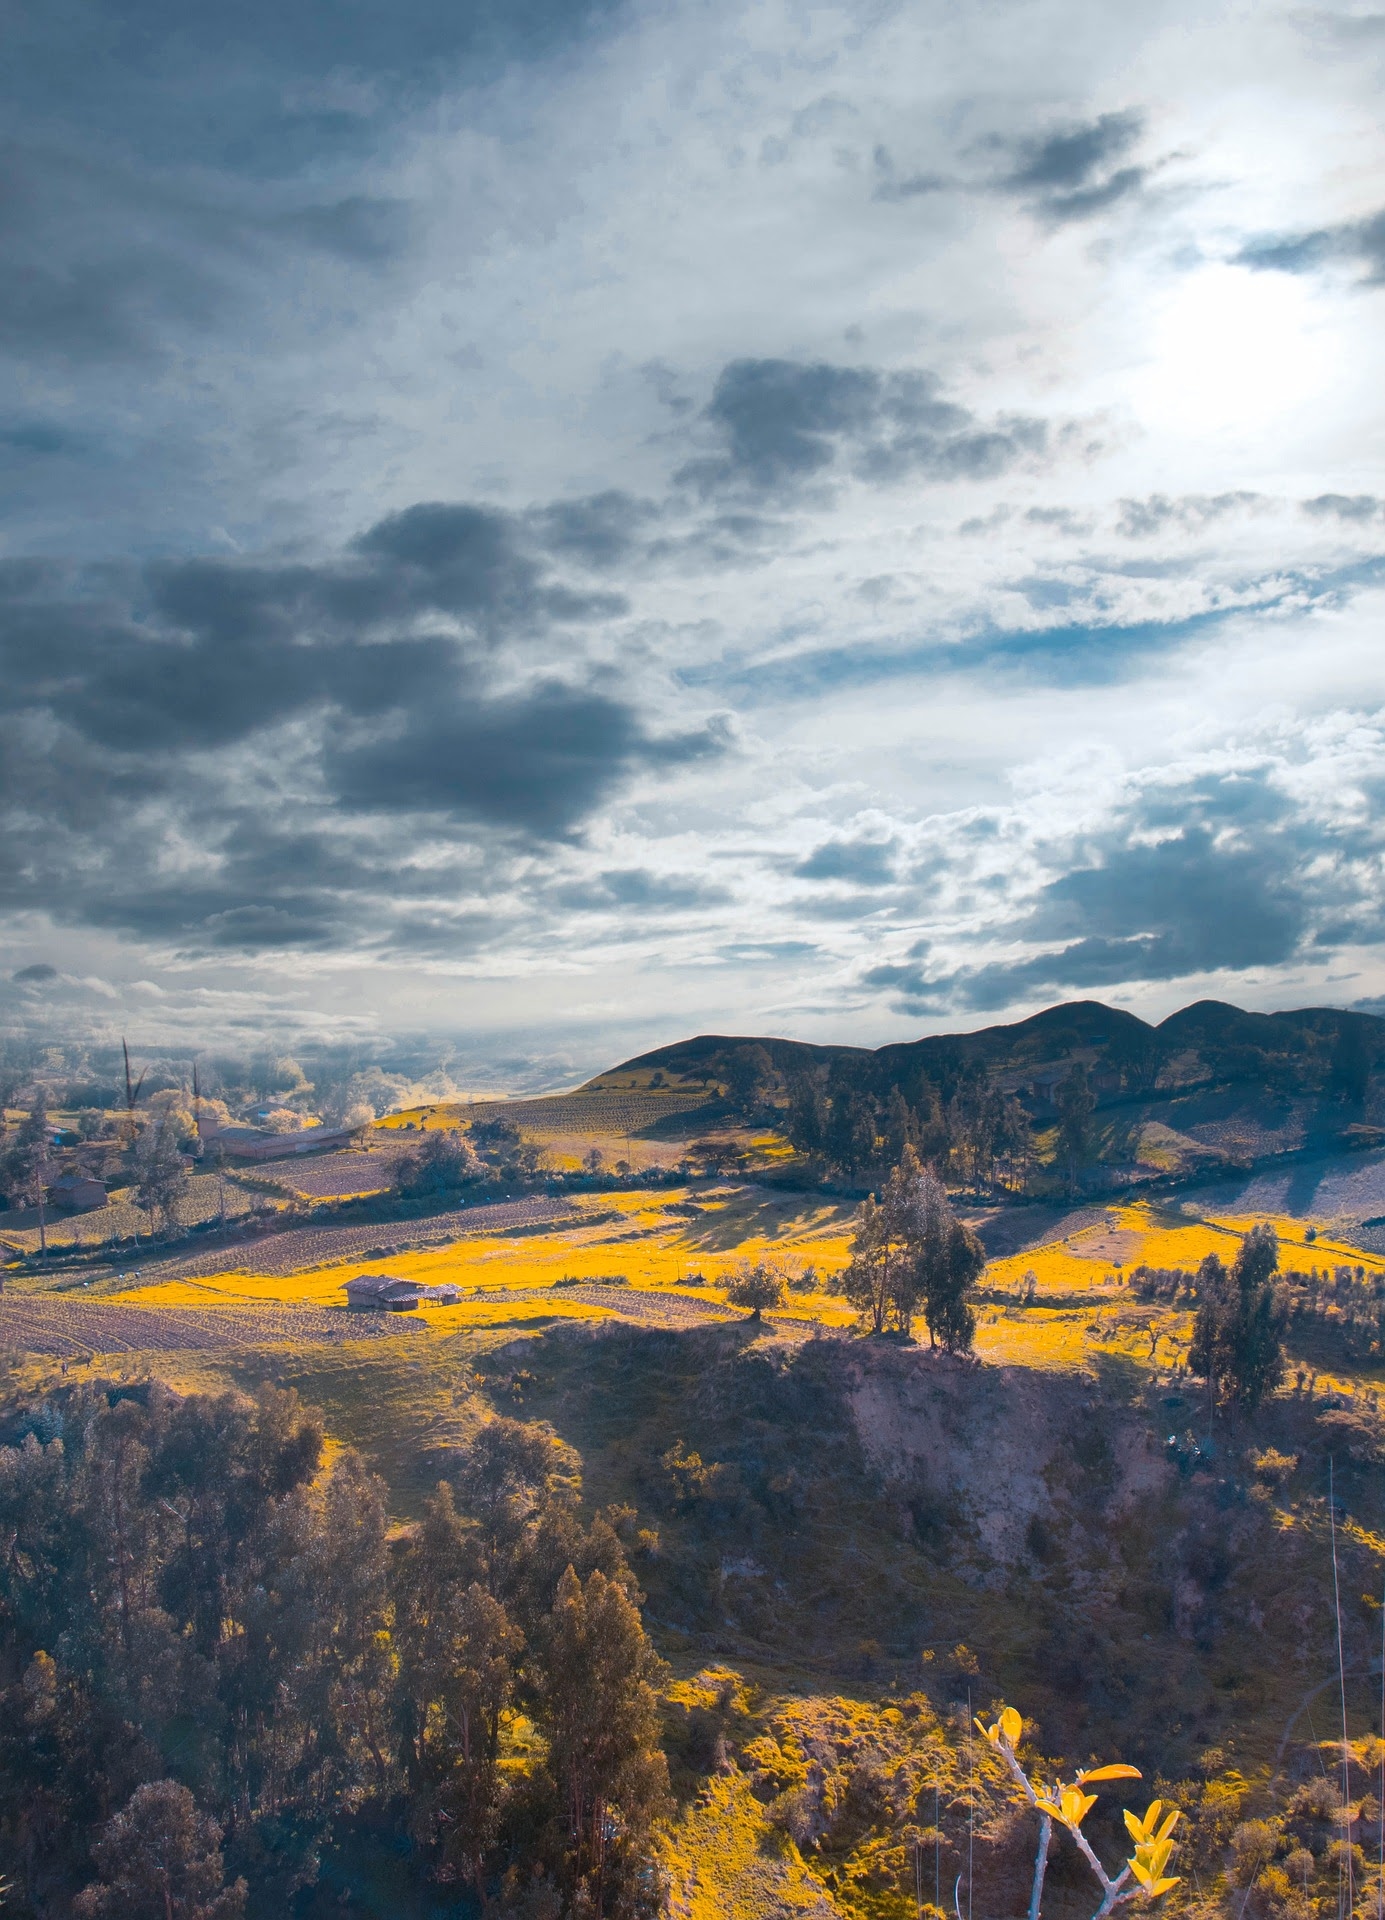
840 1525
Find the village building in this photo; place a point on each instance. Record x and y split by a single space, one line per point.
253 1143
77 1192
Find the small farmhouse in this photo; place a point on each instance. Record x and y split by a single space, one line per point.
384 1292
77 1193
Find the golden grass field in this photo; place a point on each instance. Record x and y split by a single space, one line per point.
680 1244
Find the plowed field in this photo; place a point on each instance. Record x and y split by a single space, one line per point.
321 1246
70 1329
332 1176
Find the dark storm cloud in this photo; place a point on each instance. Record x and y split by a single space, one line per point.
429 684
785 423
35 975
599 530
1069 174
261 88
1359 242
106 265
540 760
1221 875
162 161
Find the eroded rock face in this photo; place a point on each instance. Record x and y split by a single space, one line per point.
1021 1461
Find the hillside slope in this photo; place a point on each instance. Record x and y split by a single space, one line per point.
1211 1088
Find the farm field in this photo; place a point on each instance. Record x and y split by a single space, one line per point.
309 1245
644 1126
121 1220
1059 1300
333 1176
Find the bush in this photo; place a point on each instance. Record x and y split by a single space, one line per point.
443 1163
755 1287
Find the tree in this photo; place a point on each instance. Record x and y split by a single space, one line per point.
458 1654
160 1859
755 1287
901 1128
1353 1056
749 1076
1014 1141
1076 1103
1238 1331
851 1130
598 1674
1068 1806
443 1162
515 1476
948 1283
914 1218
910 1249
866 1278
161 1179
26 1159
807 1119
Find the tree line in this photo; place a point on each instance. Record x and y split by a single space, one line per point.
215 1656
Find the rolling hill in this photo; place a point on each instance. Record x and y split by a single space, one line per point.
1212 1088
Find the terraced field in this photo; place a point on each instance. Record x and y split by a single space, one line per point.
67 1328
333 1176
296 1248
121 1220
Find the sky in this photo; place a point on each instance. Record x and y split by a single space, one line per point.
561 524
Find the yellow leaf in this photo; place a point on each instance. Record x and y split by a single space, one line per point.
1153 1855
1162 1886
1169 1824
1144 1829
1075 1805
991 1733
1047 1806
1117 1771
1010 1725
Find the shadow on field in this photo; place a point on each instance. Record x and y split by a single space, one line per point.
756 1214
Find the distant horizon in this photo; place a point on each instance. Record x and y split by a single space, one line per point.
423 1058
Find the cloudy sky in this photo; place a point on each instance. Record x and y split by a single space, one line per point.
563 523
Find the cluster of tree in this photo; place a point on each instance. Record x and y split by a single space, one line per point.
1343 1309
26 1156
448 1160
214 1654
912 1255
972 1130
1238 1330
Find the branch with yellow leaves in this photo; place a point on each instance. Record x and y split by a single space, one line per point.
1069 1805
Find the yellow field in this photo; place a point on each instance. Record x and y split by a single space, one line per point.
645 1245
654 1242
